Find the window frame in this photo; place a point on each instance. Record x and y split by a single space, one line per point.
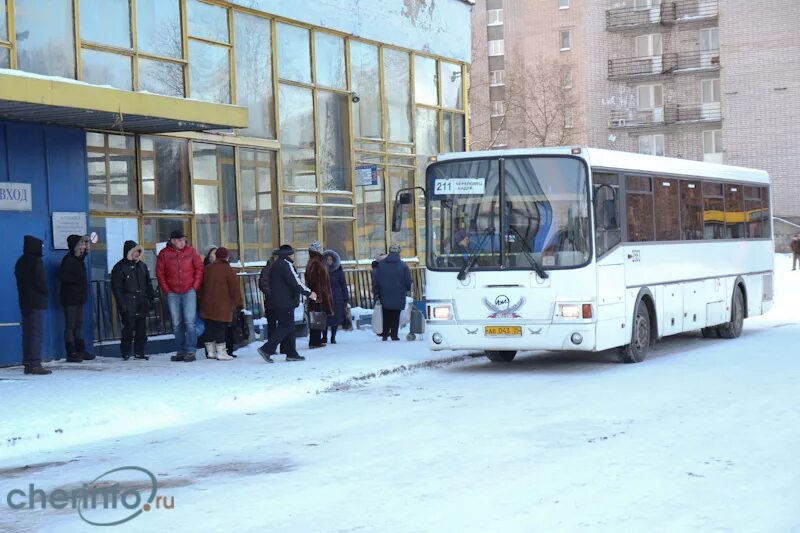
563 4
494 49
561 37
494 17
493 78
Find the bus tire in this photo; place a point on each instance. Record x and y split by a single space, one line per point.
733 329
641 334
501 356
710 333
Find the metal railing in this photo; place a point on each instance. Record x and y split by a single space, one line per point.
628 17
107 326
665 115
647 66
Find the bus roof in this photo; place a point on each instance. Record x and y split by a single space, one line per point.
627 161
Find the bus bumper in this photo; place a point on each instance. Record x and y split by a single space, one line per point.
571 337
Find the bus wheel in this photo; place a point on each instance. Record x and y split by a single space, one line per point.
636 351
500 356
733 329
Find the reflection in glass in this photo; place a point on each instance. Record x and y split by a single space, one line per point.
452 95
207 21
158 229
158 27
45 37
337 235
427 144
253 55
396 65
447 131
294 53
256 179
425 80
300 232
459 134
334 151
5 58
209 73
206 216
366 83
106 22
3 24
329 50
165 174
297 138
371 218
402 178
161 77
104 68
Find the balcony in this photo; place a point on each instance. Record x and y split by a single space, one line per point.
629 17
665 115
656 66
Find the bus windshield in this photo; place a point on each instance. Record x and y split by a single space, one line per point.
544 215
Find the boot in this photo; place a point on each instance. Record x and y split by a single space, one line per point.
211 350
72 354
177 357
141 357
37 370
80 347
222 352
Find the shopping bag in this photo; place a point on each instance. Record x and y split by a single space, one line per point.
377 319
347 325
405 314
317 320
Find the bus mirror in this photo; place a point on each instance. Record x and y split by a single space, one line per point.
397 215
405 198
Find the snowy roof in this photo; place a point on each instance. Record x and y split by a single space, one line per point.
627 161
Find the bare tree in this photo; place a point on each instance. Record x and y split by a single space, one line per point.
539 111
541 108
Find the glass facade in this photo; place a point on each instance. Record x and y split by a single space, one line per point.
336 125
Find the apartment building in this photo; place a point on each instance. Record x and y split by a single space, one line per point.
708 80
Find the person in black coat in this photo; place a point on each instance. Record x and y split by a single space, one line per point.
285 288
340 295
32 289
391 282
133 291
263 285
74 293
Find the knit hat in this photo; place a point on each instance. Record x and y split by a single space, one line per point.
221 253
394 249
177 234
316 246
285 250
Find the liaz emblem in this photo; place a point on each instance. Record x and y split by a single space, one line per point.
502 307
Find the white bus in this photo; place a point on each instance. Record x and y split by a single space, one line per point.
587 249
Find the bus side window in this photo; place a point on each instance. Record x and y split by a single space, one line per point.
607 209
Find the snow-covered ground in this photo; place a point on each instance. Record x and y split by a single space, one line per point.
703 436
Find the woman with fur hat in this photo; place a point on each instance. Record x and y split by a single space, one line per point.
340 295
220 295
133 291
318 280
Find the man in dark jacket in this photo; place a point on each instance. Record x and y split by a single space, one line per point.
391 283
74 293
795 245
263 284
285 288
32 288
180 275
133 291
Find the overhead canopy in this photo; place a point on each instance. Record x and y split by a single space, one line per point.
33 98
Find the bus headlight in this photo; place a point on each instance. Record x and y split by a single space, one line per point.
569 311
440 312
575 311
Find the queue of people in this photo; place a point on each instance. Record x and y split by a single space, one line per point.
206 288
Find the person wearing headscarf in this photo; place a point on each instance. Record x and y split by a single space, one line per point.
220 297
339 291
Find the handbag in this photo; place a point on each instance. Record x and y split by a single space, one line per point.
347 325
317 320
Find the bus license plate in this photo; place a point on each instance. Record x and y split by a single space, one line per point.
503 331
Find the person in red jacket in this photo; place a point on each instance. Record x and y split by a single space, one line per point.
179 270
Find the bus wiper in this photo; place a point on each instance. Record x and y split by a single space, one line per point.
536 266
473 257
